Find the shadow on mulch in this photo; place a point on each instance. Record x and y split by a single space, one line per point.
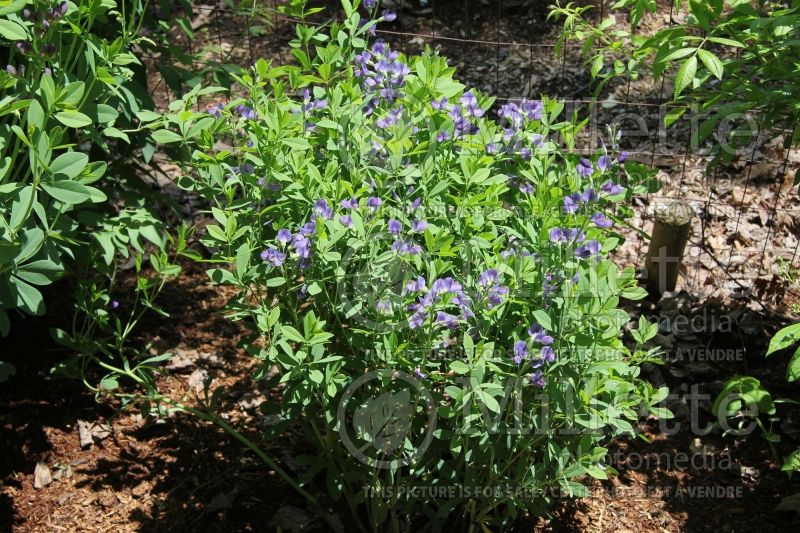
686 478
175 474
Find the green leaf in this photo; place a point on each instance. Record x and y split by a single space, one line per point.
70 164
712 63
117 134
35 115
792 463
726 42
678 54
73 192
784 338
6 369
296 144
292 334
41 272
73 119
543 319
12 31
29 299
72 94
744 388
459 367
20 206
685 75
793 370
166 137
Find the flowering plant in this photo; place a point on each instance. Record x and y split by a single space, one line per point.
431 283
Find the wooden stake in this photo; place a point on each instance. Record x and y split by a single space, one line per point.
671 228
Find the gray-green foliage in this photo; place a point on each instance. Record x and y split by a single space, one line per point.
400 234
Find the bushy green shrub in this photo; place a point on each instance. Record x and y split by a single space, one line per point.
431 283
726 59
69 104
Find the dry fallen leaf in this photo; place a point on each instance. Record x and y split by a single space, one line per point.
41 476
90 432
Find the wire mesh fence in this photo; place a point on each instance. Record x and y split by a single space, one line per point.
745 210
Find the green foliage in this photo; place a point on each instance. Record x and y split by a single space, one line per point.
382 237
69 106
726 58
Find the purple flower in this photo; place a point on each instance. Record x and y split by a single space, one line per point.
216 111
406 247
588 250
417 319
346 220
382 74
373 203
588 196
604 163
446 319
274 256
445 285
246 168
548 354
418 226
388 16
496 295
439 104
611 188
601 221
417 372
537 379
284 236
114 304
351 203
520 351
309 228
384 307
246 112
323 209
395 227
571 203
369 4
391 118
584 168
538 334
563 235
623 156
302 246
489 277
414 285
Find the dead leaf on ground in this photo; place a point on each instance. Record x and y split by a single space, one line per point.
90 432
41 476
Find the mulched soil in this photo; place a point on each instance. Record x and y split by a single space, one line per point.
179 474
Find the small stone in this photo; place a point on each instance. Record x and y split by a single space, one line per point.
41 476
197 379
